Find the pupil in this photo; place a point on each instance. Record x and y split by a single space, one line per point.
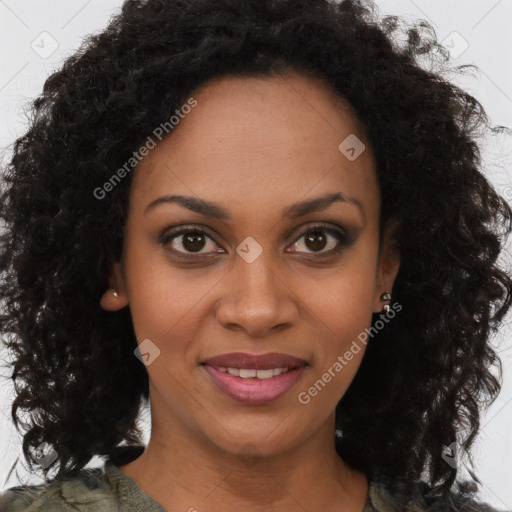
317 238
193 242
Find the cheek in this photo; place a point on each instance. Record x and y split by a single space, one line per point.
342 297
164 301
340 323
340 347
342 300
341 309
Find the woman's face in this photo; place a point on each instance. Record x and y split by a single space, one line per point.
260 279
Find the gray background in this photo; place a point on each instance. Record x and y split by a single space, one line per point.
477 32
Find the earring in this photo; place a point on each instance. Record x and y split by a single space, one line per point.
115 293
386 296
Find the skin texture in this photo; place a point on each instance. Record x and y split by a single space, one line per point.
251 146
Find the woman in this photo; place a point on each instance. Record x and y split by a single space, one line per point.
269 221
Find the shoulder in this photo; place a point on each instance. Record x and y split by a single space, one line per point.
384 497
88 491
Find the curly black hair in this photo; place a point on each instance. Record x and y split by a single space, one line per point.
424 379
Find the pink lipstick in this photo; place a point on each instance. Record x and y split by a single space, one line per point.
252 378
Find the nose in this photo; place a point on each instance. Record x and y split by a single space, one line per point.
256 300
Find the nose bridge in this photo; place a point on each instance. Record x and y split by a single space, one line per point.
256 276
256 299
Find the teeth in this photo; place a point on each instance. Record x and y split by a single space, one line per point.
266 374
246 373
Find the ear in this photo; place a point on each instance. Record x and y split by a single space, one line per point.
109 301
388 265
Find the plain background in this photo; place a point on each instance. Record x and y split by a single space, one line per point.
36 36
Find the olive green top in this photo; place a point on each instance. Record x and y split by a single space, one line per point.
107 489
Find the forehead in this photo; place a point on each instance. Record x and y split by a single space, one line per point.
252 141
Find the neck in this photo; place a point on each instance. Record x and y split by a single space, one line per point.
184 470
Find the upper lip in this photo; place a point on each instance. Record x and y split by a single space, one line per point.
255 361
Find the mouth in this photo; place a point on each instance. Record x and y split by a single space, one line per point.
254 379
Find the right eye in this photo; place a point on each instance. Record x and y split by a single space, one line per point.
192 239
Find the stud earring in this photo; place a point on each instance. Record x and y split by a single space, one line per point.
386 296
115 293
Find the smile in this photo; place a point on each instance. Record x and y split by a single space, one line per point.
254 378
249 373
251 386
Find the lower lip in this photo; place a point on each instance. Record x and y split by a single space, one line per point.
254 391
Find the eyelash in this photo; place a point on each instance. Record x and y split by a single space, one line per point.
343 240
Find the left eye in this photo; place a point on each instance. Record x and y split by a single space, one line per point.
316 238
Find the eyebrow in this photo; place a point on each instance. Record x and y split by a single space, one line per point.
294 211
